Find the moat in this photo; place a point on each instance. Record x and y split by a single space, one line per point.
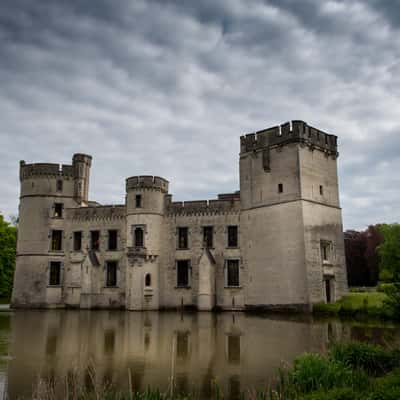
191 350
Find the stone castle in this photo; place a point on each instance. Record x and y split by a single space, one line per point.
275 244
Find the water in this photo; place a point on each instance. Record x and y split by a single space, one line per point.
141 349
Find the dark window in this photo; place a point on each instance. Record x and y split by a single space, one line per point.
77 241
232 236
56 240
232 272
147 280
182 273
325 251
280 188
233 348
321 190
59 185
139 237
183 238
111 273
58 210
328 290
112 239
208 236
55 273
95 240
138 201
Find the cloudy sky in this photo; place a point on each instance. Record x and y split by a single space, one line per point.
167 88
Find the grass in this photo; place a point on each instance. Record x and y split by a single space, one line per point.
358 303
350 371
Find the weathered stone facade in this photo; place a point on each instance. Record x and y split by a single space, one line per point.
275 244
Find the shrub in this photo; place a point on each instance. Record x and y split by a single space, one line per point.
392 301
373 359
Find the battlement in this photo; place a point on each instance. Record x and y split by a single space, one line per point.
82 158
289 132
40 170
147 182
230 203
108 212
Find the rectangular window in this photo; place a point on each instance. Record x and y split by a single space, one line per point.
232 272
112 239
56 240
232 236
59 185
95 240
280 188
111 267
325 251
321 190
138 201
183 242
55 273
182 267
58 210
208 236
77 241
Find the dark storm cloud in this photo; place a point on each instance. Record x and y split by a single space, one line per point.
167 87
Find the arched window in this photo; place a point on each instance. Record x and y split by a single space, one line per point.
147 280
138 237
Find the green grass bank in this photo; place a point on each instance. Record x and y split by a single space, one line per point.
370 304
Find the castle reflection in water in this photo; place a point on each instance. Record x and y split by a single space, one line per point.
190 351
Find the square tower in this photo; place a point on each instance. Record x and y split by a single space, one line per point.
291 217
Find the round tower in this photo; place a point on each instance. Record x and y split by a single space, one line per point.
81 164
145 207
46 191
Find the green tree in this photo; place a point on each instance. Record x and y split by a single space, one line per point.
389 252
8 242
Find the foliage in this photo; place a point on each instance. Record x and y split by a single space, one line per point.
392 301
8 242
373 359
389 252
362 258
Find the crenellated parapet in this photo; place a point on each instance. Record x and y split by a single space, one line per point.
42 170
147 182
231 204
290 132
98 213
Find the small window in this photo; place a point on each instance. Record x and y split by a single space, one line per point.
111 273
147 280
112 239
183 273
232 273
77 241
321 190
325 251
183 238
59 185
280 188
58 210
138 201
232 236
139 242
95 240
208 236
56 240
55 273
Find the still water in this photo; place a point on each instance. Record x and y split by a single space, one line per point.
141 349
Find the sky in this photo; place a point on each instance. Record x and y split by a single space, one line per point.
167 88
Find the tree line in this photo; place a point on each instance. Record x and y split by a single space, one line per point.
8 245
